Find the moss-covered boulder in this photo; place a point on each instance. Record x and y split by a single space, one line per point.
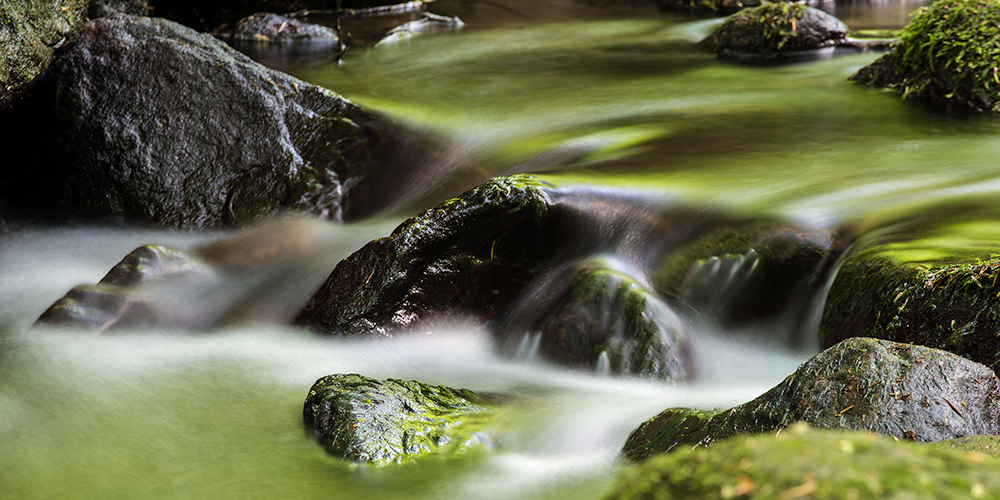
470 256
953 307
748 272
947 54
30 34
268 27
609 321
148 120
812 463
901 390
776 28
395 421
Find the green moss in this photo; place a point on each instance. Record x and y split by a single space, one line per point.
809 463
948 51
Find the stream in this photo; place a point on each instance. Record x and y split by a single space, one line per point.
586 95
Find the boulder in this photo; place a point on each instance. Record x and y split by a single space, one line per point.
749 271
776 28
609 321
208 15
30 34
267 27
470 256
952 307
812 463
148 120
905 391
393 421
946 55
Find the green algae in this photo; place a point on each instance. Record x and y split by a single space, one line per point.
802 462
948 52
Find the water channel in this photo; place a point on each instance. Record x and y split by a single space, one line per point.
599 96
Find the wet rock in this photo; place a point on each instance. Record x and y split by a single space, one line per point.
103 8
30 34
395 421
469 256
776 28
811 463
118 300
147 120
267 27
428 23
946 55
208 15
748 271
609 321
900 390
946 306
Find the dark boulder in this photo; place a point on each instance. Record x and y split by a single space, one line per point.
900 390
776 28
746 272
811 463
609 321
30 34
267 27
151 121
396 421
208 15
952 307
947 54
470 256
103 8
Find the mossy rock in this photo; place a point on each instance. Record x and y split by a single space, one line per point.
394 421
30 34
609 320
470 256
947 54
905 391
803 462
747 272
775 28
953 307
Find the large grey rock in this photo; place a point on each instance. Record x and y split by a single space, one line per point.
148 120
268 27
31 31
901 390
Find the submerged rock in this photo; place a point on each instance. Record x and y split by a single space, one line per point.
609 321
946 54
748 272
469 256
267 27
812 463
30 34
953 307
428 23
776 28
151 121
395 421
906 391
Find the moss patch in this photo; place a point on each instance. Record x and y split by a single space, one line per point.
949 52
810 463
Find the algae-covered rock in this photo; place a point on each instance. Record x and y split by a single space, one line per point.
953 307
148 120
947 54
268 27
774 28
395 421
609 320
30 34
906 391
812 463
747 272
470 256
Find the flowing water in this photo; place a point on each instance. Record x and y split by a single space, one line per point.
594 97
